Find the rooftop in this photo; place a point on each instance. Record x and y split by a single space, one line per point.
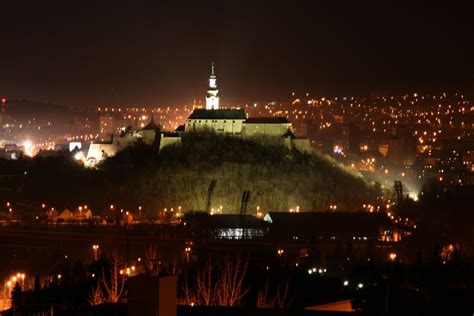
221 114
329 223
150 126
268 120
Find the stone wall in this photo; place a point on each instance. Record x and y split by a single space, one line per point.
264 129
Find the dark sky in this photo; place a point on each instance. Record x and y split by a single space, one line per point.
88 54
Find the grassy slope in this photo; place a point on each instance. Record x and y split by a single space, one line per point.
277 178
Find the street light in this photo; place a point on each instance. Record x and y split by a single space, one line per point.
95 247
393 256
187 250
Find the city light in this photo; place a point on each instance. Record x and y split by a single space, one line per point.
28 146
79 156
392 256
95 248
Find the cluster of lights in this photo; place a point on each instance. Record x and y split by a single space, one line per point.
217 211
128 271
188 250
169 117
370 208
8 287
177 213
84 137
295 209
18 277
315 270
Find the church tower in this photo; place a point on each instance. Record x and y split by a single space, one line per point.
212 98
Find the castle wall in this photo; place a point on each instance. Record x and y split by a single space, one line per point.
265 129
147 136
98 152
166 141
302 145
225 127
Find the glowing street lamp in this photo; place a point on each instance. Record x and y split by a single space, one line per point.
187 250
392 256
22 277
95 247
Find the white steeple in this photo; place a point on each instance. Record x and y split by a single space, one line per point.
212 98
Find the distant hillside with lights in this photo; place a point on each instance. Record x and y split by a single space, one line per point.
33 109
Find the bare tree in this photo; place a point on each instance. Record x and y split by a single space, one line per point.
189 294
152 258
206 285
115 287
213 286
279 299
96 295
230 286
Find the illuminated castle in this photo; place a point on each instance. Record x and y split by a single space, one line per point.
212 120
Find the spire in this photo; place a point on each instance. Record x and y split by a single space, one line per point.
212 98
150 126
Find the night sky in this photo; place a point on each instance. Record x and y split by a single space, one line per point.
84 54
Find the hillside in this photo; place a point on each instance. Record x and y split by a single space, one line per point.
278 179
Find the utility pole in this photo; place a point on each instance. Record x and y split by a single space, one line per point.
210 192
127 229
243 211
399 192
4 101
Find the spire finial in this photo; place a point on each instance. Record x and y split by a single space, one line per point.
212 69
